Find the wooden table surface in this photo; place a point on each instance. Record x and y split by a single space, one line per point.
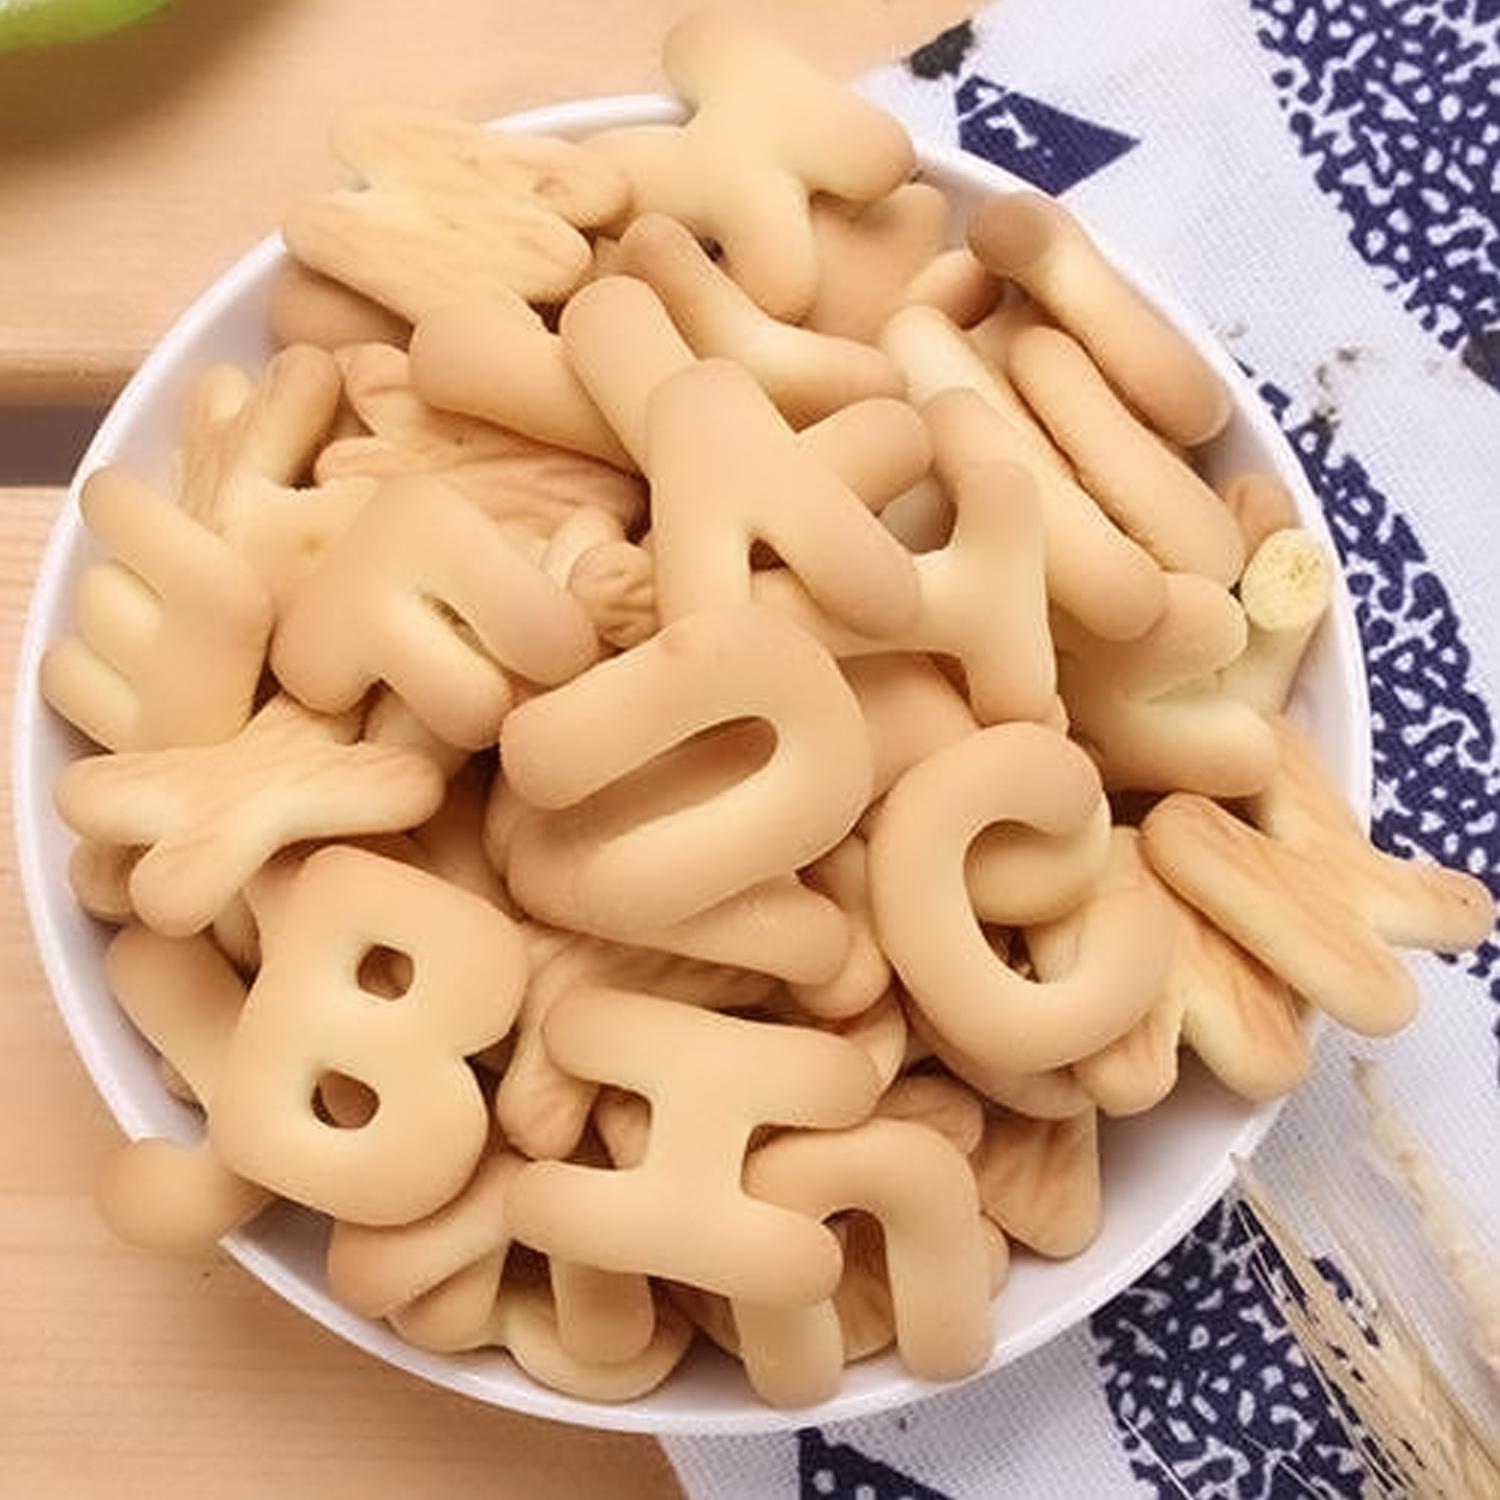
131 173
134 170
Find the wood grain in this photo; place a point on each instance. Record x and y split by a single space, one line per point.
135 169
125 1375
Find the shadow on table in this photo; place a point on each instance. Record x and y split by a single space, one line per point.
58 94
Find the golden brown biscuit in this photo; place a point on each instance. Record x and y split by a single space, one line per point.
807 374
955 283
511 477
869 256
842 875
376 1269
452 211
598 860
497 360
939 1102
1150 493
603 1317
910 709
524 1322
307 308
616 585
248 459
982 597
1241 1019
1260 504
399 598
1284 592
1017 876
542 1108
1139 1068
1030 238
172 627
682 1213
213 815
934 356
1282 906
1152 711
726 471
621 343
920 1188
1094 571
1039 1180
308 1012
1409 902
186 1000
389 720
768 130
99 877
241 437
977 1005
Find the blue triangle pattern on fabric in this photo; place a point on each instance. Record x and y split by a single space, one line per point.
1037 141
836 1471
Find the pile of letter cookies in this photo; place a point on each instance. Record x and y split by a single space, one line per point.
891 776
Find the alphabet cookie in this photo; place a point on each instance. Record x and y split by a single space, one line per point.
682 1212
1152 711
451 212
544 1109
870 254
597 858
768 131
398 598
1032 239
970 998
308 1012
1145 488
983 597
1039 1180
186 1000
923 1193
1284 592
807 374
726 471
213 815
497 360
513 478
1281 906
172 627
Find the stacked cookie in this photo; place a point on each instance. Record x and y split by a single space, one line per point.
685 740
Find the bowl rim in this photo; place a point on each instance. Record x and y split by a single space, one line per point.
576 117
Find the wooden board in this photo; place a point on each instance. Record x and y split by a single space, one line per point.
135 169
125 1375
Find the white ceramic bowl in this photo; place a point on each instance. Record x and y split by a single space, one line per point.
1161 1171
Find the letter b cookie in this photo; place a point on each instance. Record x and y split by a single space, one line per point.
308 1015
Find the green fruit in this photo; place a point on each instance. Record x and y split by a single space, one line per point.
37 23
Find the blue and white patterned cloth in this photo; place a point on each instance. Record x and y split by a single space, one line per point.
1321 180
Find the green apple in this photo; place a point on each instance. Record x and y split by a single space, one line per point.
36 23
